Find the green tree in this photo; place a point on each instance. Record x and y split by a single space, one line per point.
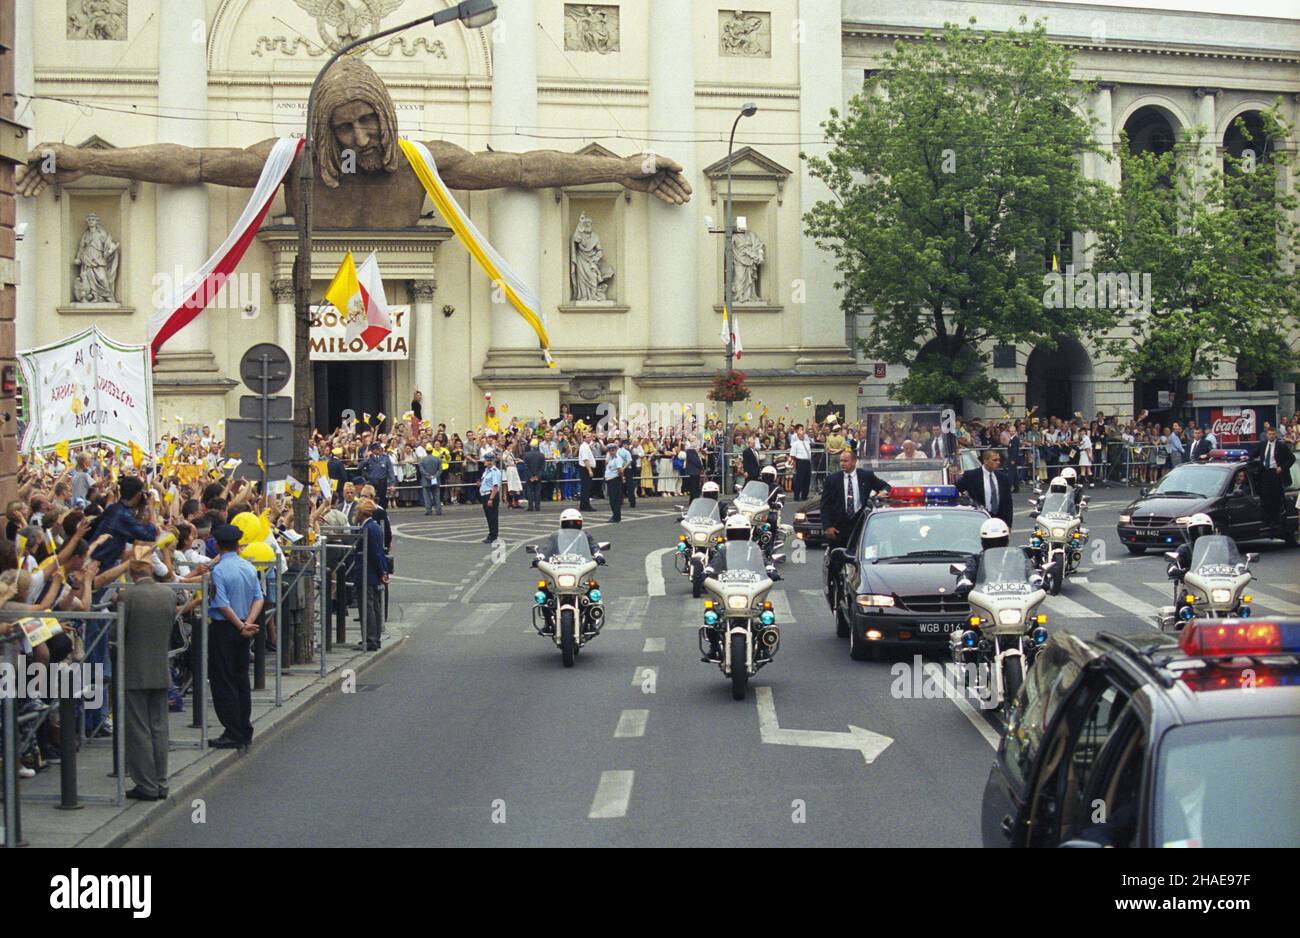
955 174
1220 247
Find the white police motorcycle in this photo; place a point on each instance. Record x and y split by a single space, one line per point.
1059 533
702 523
1005 627
1212 587
754 501
740 634
568 606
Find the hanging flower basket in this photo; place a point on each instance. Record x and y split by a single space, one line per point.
729 387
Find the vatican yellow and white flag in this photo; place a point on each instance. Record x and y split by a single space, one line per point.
521 296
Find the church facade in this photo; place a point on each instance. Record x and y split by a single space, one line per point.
631 288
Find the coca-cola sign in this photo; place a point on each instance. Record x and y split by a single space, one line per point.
1234 429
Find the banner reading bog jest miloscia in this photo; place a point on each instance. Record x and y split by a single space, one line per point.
87 389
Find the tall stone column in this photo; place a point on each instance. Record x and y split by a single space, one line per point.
182 211
1095 166
282 293
516 214
822 328
1208 149
25 250
674 230
422 341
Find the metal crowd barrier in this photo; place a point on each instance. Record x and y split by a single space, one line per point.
340 566
11 820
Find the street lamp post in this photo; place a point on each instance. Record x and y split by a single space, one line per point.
475 14
748 109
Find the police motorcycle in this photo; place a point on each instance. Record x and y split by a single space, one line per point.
1006 628
754 501
702 522
567 605
739 634
1056 545
1210 577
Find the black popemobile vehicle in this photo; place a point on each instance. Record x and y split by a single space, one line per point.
894 586
808 516
1225 487
1154 740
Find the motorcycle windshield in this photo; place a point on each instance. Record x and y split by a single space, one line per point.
756 491
567 546
1057 503
703 509
740 555
1215 555
1004 570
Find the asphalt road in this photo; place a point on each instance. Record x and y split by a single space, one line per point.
473 733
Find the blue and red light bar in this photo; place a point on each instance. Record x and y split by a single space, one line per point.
1226 637
922 494
1229 454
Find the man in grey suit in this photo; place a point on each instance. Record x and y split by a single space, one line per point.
431 482
149 610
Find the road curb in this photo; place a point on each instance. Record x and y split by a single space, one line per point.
138 818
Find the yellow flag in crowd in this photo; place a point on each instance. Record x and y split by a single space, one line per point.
317 471
345 285
137 455
260 465
61 450
169 455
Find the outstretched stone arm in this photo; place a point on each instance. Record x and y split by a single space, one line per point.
167 163
539 169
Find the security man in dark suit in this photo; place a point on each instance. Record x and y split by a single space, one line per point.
749 461
1275 462
989 486
337 472
149 611
843 495
1201 446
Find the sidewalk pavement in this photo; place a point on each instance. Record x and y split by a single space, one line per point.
106 825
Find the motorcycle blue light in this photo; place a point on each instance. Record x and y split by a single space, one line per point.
682 548
1039 635
710 618
767 618
540 598
594 596
1185 613
970 638
1245 612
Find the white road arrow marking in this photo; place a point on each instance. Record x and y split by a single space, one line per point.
865 741
654 571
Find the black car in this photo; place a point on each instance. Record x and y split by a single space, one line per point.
808 516
1154 740
894 586
1225 487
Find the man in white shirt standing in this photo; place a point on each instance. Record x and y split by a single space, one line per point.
586 466
801 453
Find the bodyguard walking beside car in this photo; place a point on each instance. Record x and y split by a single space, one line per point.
149 610
1275 461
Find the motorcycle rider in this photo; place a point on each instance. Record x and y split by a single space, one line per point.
1198 525
737 528
570 520
713 491
1068 480
769 476
993 533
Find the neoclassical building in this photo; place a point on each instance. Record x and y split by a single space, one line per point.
1159 73
632 288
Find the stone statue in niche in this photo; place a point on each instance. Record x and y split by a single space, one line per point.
96 19
745 34
589 272
96 260
747 259
590 28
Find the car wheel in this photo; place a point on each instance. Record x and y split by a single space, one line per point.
859 648
1135 548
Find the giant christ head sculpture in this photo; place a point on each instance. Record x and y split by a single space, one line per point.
355 113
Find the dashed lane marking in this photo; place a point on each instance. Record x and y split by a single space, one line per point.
654 644
613 793
631 724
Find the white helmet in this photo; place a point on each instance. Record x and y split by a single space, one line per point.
1199 524
1058 485
710 490
738 528
994 533
570 518
768 472
1068 474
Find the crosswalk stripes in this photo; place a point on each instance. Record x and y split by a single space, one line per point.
1268 603
482 617
1067 608
1117 597
781 607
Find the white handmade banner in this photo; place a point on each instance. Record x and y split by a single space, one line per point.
87 389
328 341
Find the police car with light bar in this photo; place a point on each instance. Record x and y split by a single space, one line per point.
1154 740
1225 487
893 586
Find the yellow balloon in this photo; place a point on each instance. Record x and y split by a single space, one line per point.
249 527
259 553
